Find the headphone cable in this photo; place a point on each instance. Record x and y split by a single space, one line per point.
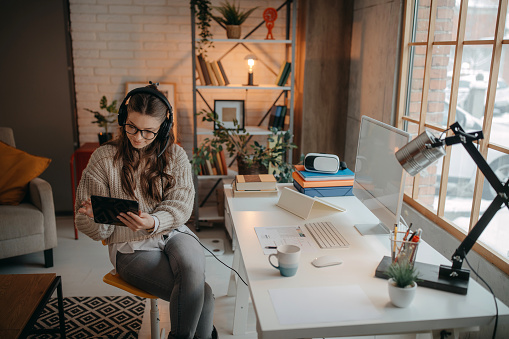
199 242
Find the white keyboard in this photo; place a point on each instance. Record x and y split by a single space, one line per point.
326 235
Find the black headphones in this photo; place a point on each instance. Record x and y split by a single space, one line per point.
165 128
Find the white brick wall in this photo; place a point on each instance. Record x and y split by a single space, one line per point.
119 41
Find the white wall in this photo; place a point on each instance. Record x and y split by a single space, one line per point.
119 41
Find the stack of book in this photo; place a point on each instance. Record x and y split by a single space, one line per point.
214 165
254 185
211 73
317 184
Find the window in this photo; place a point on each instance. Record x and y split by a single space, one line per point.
455 67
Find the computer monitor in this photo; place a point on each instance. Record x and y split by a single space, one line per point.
379 178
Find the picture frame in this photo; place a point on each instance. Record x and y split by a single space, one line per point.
227 111
169 89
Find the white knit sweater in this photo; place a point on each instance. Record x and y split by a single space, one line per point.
102 177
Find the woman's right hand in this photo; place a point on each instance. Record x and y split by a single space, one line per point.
86 208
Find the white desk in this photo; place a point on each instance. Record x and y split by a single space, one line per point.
430 310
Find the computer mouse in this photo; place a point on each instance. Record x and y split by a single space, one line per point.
326 260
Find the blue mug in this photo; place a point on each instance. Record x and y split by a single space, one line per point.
288 259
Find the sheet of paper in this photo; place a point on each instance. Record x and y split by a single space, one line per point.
283 235
312 305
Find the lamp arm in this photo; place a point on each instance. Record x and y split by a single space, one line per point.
502 190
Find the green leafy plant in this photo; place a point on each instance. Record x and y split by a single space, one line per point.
403 274
103 120
236 142
203 12
232 15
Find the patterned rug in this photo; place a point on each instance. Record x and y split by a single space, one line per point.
94 317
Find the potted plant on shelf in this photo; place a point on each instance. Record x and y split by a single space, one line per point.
203 11
232 18
103 120
403 278
252 157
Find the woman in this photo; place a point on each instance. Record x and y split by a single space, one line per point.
156 252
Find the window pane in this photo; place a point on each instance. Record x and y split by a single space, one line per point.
421 21
496 233
499 163
500 125
446 23
416 78
481 20
473 85
439 92
460 187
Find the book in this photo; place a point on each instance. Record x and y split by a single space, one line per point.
281 118
199 72
329 183
217 73
278 116
281 69
223 73
285 74
253 193
315 176
223 162
340 191
272 116
203 66
213 79
255 182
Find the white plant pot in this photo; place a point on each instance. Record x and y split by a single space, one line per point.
401 297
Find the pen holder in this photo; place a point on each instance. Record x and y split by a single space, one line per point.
403 250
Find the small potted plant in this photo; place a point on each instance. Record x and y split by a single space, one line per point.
403 279
103 120
232 18
252 157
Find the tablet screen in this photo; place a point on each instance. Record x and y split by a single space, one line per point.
107 209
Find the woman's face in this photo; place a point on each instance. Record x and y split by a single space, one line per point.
141 129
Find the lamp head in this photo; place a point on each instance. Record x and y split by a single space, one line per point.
420 153
250 60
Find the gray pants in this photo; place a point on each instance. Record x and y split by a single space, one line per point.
177 275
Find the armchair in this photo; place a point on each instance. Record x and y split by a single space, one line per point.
30 226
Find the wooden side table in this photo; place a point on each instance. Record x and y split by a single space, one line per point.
23 298
79 160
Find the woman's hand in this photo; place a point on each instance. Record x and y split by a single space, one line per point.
135 222
86 208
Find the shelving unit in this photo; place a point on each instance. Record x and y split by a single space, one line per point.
206 213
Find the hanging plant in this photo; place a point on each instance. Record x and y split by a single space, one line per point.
203 12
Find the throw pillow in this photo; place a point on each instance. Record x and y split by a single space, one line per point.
17 169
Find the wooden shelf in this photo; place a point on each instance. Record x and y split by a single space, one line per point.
252 130
239 86
231 174
209 213
252 41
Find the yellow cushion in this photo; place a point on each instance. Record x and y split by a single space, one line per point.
17 169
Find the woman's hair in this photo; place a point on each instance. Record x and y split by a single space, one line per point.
130 158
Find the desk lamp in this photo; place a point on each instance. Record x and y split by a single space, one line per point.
422 152
250 61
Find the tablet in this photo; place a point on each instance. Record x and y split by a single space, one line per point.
107 209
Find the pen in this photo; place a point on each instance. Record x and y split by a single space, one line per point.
395 244
271 247
407 232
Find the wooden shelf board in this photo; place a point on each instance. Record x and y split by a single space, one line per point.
240 86
254 41
209 213
252 130
231 174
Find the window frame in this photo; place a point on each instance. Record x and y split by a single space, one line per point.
402 120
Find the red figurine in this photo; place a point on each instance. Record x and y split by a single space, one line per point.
269 15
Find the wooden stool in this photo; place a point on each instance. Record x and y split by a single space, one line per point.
116 281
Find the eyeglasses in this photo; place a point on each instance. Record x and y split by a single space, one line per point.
145 134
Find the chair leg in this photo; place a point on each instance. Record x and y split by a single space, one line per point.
48 258
154 320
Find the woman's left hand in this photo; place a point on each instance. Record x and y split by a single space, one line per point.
135 222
